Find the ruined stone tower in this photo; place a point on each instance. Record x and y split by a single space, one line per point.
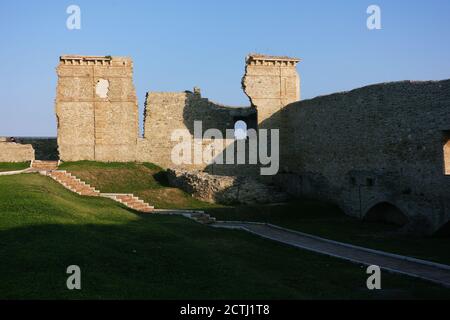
96 109
271 82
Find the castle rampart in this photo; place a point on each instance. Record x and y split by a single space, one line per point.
383 143
384 146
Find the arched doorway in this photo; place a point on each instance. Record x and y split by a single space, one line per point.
386 213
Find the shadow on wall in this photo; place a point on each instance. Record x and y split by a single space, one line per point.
391 133
387 213
245 168
214 115
221 117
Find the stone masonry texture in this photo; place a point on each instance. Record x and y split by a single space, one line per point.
167 111
15 152
96 109
45 148
225 189
381 145
271 83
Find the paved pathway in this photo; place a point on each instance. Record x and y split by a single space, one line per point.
434 272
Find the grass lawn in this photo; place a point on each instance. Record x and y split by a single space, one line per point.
310 216
44 228
145 180
13 166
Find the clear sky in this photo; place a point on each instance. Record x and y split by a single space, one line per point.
176 45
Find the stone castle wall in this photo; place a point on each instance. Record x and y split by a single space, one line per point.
270 83
97 117
381 143
166 112
15 152
385 143
96 109
45 148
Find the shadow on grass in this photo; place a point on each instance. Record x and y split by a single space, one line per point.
328 221
166 257
161 178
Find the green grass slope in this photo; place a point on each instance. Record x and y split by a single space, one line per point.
310 216
44 228
13 166
144 180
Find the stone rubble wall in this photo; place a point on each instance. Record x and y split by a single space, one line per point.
225 189
15 152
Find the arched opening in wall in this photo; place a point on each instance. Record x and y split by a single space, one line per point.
446 151
249 119
240 130
385 212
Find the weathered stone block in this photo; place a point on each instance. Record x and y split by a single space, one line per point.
15 152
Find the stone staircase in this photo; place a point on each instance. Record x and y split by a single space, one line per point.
80 187
130 201
198 216
40 165
73 183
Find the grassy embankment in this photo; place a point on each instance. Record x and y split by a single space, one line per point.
310 216
44 228
13 166
146 181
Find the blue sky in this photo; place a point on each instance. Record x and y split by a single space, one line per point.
176 45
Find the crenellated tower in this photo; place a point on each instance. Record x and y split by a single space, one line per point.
271 83
96 108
